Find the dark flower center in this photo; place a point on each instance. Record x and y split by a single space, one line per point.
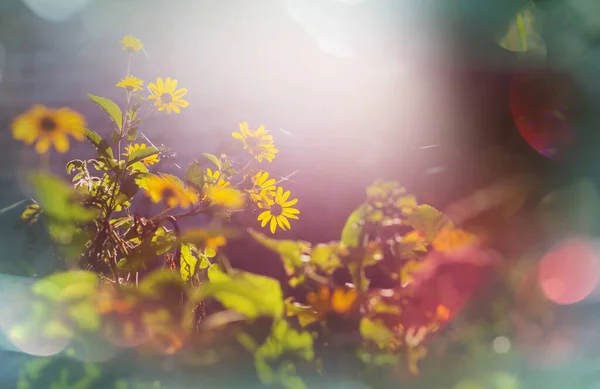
167 193
48 124
253 143
276 209
166 98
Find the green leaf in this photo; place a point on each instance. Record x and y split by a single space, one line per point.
194 175
59 199
376 332
76 164
163 240
101 145
325 256
429 220
250 294
286 340
132 134
353 229
286 373
67 286
115 136
213 159
110 108
85 315
521 35
142 154
291 252
188 261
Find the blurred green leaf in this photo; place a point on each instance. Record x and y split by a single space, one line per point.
288 341
67 286
429 220
110 108
194 175
291 252
75 164
188 261
325 256
59 200
352 232
213 159
251 294
376 332
522 35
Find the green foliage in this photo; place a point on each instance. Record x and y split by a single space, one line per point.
251 294
213 159
429 220
101 145
110 108
353 229
141 154
194 175
376 332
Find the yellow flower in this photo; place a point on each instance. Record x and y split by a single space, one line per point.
263 189
215 179
226 197
131 83
151 160
169 190
167 95
258 143
130 44
217 192
49 126
279 211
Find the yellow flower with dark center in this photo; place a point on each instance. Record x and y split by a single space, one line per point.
49 126
167 95
131 83
279 211
130 44
170 191
151 160
258 143
263 188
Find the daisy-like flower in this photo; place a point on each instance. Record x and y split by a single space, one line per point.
130 44
279 211
258 143
167 95
49 126
263 188
151 160
131 83
170 191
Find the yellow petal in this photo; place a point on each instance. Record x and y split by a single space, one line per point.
179 93
23 129
266 219
289 203
160 86
61 143
284 221
182 103
279 223
263 215
42 145
285 196
273 225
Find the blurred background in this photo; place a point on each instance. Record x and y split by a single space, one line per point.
417 91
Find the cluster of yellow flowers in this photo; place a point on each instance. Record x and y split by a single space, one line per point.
50 127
